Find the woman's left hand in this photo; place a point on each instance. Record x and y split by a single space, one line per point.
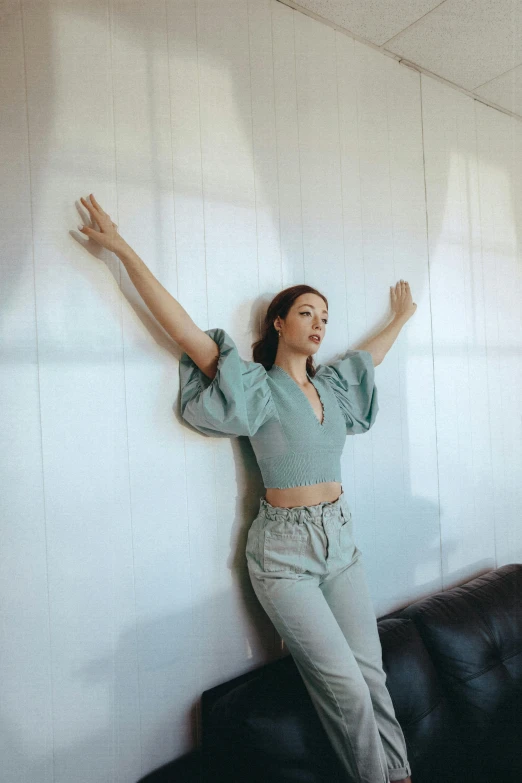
401 301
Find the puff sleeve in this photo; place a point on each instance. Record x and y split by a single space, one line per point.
352 380
237 401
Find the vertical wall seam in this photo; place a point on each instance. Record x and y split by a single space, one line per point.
355 70
484 308
39 391
253 144
431 324
136 633
276 136
294 13
184 436
277 642
336 39
399 342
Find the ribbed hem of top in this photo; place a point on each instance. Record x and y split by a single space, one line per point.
296 470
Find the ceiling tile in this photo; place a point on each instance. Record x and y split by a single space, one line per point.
375 20
468 42
505 91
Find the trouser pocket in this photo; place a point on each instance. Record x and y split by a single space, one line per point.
349 551
283 551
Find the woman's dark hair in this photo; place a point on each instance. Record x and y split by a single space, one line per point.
265 349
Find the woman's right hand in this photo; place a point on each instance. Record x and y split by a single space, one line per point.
107 236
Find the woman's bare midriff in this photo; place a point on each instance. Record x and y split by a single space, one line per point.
309 495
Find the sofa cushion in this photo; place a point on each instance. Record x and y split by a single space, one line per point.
450 659
421 704
474 635
266 729
271 728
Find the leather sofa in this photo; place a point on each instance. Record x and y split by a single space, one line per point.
453 662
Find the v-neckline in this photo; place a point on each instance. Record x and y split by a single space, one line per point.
320 423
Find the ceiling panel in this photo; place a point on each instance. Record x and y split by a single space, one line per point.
468 42
475 45
505 90
376 20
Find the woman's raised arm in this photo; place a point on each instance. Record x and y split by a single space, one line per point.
171 315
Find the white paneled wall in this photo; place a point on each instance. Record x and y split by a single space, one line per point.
241 147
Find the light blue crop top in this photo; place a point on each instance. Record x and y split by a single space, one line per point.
293 448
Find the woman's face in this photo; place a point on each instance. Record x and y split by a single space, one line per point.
308 315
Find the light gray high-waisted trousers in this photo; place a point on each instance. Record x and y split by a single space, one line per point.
309 577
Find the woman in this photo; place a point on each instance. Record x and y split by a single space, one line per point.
305 567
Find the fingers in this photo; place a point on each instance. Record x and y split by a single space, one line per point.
402 286
89 207
96 203
94 207
96 212
85 203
